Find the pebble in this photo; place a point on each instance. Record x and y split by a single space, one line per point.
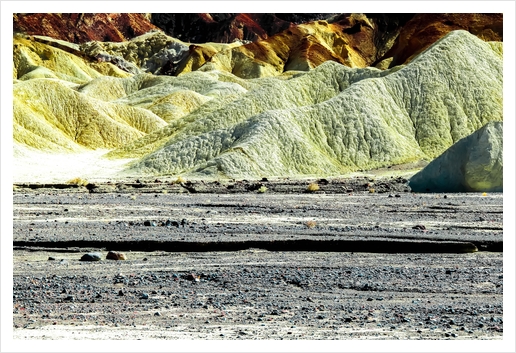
50 258
170 223
93 256
115 255
144 296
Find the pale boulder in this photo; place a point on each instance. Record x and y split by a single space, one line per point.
473 164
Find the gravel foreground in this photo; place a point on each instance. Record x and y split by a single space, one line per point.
250 266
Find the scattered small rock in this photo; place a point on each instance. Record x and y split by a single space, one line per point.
50 258
170 223
93 256
419 226
69 298
144 296
192 277
115 255
120 293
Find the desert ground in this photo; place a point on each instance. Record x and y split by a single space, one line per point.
361 258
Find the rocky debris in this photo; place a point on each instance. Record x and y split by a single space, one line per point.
191 277
116 255
91 257
247 295
475 163
153 52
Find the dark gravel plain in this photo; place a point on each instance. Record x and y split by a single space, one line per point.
339 263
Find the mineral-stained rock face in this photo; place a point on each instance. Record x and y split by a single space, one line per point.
226 28
425 29
354 40
474 163
284 121
80 28
274 42
333 119
301 47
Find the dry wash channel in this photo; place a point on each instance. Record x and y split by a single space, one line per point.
258 266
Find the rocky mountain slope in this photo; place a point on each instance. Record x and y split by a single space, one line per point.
301 102
273 42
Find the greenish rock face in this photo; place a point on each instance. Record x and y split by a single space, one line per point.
474 163
329 121
333 119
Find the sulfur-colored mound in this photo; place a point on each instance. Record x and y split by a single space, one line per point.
333 119
50 115
474 163
32 59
